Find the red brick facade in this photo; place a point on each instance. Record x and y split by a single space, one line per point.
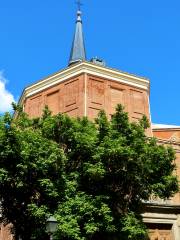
170 136
86 95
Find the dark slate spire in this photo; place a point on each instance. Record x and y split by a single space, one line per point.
78 52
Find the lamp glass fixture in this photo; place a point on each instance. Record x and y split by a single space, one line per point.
51 224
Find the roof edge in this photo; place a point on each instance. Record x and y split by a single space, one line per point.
165 126
86 67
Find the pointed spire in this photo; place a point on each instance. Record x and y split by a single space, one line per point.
78 52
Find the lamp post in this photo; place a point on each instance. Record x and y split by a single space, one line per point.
51 226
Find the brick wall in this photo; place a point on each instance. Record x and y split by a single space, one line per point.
86 95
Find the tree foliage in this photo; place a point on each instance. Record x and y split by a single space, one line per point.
92 176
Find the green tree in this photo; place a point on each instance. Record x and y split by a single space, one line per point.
31 176
94 177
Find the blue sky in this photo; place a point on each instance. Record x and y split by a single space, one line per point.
139 37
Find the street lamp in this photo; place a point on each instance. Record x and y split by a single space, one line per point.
51 226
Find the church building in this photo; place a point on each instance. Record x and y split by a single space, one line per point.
84 88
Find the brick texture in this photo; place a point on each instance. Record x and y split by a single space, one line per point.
87 95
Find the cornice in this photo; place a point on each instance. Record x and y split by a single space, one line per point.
163 127
82 68
166 129
156 205
174 144
160 213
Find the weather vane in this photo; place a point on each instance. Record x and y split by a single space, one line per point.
79 4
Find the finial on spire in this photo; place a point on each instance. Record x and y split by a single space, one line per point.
79 4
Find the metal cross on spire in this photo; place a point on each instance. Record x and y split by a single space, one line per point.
79 4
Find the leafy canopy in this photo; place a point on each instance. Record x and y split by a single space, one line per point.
92 176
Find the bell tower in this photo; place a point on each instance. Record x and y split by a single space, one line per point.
86 87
